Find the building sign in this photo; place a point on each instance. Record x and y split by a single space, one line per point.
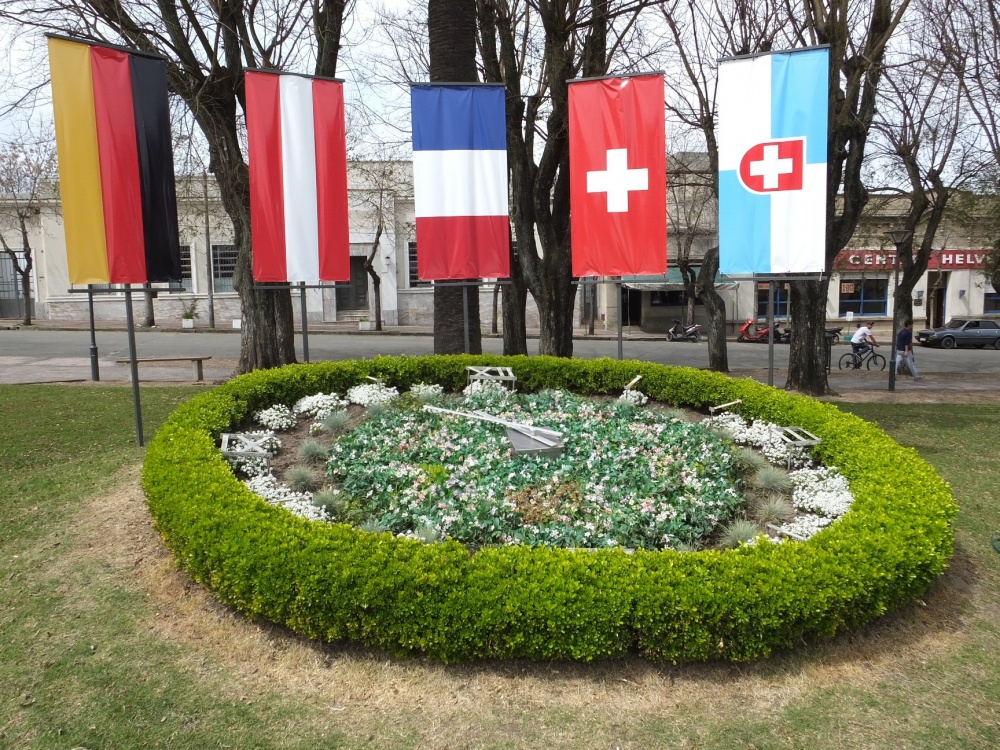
847 287
862 259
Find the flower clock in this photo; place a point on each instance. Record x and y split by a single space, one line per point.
654 529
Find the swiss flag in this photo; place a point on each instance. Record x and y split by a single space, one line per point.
618 176
773 166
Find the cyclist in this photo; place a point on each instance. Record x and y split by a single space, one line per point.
861 342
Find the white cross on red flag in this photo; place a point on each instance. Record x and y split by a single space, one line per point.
618 176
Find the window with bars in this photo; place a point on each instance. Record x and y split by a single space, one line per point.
223 266
864 297
411 250
187 284
781 293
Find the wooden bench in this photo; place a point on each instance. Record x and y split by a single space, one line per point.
196 361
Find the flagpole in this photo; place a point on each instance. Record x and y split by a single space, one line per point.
618 286
305 322
95 368
770 332
134 365
465 315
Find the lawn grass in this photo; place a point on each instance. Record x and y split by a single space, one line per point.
104 645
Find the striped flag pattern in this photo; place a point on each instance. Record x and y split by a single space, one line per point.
116 169
460 181
772 162
298 178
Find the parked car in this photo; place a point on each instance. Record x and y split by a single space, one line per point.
963 332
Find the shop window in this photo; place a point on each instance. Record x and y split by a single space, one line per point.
781 293
863 297
223 267
667 299
991 303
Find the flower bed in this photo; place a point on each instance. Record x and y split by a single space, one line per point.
335 582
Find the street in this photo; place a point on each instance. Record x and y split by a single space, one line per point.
40 355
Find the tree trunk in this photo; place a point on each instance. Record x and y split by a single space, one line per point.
376 279
451 36
715 306
26 293
807 350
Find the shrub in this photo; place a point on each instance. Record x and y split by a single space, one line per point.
301 479
335 421
750 461
334 582
772 480
312 452
773 509
739 531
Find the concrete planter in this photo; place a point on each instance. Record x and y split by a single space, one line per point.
187 322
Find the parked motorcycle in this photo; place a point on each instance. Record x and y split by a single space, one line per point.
782 335
750 332
677 332
834 334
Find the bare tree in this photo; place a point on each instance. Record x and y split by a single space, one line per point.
540 47
451 31
208 46
699 36
381 181
921 138
27 173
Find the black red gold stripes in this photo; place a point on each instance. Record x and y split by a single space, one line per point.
116 167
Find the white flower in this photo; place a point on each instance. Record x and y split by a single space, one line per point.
367 394
278 417
319 405
275 493
636 398
426 391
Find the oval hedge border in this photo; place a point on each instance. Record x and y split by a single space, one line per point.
334 582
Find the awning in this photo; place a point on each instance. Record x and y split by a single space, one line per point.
672 281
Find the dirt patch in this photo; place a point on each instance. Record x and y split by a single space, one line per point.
446 705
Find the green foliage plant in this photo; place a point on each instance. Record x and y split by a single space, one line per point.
337 583
312 452
302 479
772 480
773 509
738 531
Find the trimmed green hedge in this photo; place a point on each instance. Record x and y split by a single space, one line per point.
333 582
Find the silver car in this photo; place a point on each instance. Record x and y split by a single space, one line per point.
963 332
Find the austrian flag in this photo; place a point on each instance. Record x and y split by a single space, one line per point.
618 176
460 181
298 178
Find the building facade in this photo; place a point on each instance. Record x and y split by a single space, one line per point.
380 194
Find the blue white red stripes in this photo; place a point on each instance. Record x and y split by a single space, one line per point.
772 163
460 181
298 178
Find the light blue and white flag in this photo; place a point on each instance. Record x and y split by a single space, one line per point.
772 162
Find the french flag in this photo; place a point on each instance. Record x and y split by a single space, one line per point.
460 181
298 178
772 162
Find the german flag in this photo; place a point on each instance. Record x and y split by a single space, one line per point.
116 168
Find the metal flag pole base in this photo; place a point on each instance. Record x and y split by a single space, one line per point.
465 316
618 288
137 405
95 368
305 322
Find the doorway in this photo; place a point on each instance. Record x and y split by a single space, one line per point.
937 286
631 306
354 296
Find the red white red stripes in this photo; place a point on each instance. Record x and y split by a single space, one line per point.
298 178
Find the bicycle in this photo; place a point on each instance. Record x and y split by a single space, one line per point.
871 359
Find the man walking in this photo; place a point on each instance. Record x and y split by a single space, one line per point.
904 348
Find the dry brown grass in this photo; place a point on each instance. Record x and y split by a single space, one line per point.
366 694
